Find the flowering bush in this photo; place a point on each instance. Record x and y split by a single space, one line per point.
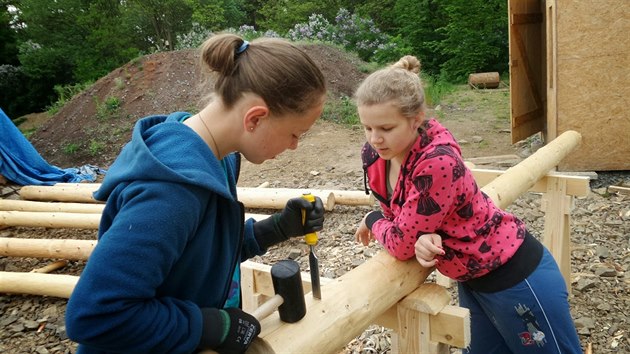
199 34
249 32
350 31
317 28
193 38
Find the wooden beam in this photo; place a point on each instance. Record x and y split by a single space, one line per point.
578 186
64 220
506 188
344 197
46 248
50 220
80 193
428 298
276 198
619 189
251 197
43 284
27 205
349 304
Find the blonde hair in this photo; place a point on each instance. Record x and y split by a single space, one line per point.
398 83
284 76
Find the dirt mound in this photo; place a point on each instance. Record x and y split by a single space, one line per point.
93 126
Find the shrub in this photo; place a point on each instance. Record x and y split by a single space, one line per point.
65 94
352 32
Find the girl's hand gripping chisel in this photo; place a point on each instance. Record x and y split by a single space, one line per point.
313 262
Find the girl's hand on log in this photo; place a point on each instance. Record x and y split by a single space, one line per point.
427 247
363 234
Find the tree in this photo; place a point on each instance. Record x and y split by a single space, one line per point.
475 37
159 21
110 42
8 37
381 12
282 15
417 22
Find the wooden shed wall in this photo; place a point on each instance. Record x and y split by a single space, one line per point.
583 78
593 86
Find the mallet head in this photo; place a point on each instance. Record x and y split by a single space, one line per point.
287 282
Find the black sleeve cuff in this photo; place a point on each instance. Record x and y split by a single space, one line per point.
214 326
373 217
267 234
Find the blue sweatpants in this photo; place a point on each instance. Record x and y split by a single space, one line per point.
531 317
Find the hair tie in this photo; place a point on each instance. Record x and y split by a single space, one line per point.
243 47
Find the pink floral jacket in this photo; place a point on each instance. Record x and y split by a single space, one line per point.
436 193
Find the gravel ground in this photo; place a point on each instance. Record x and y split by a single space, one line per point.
600 256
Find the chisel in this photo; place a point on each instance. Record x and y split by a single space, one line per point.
313 262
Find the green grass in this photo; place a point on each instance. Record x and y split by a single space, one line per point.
435 90
95 147
71 148
108 108
341 110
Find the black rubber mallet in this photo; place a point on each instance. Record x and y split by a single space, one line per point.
289 297
289 300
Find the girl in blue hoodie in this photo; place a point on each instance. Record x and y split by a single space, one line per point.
164 276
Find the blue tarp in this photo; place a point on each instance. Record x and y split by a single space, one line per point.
20 163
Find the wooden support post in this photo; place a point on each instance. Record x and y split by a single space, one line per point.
252 297
557 233
257 284
414 324
451 326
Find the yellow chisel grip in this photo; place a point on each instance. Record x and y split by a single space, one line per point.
311 238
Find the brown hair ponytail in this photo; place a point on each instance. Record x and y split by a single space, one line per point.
281 74
398 83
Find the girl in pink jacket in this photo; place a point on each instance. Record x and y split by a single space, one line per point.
431 208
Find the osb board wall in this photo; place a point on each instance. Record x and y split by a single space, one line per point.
593 86
527 69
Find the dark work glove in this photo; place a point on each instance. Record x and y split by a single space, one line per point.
228 331
288 223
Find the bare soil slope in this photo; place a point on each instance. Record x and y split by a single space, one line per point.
94 125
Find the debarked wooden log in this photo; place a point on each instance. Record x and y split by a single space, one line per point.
251 197
64 220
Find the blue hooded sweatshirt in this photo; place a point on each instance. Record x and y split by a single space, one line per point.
170 238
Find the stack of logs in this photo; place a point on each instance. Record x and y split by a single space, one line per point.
71 205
